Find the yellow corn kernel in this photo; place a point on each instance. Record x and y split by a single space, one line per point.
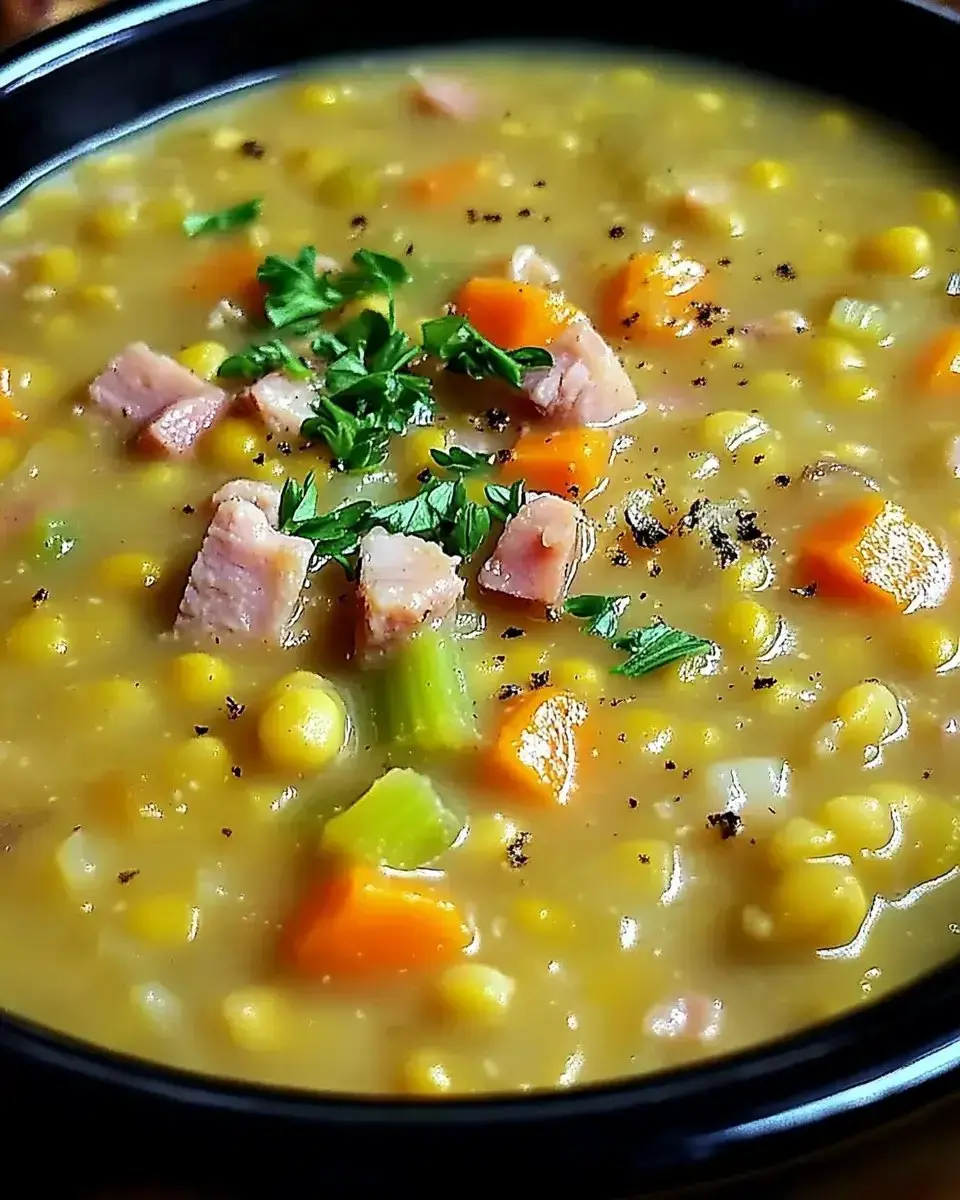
580 676
101 297
868 713
296 681
858 822
39 637
768 174
58 266
542 918
936 205
728 432
799 839
161 477
777 385
828 254
901 796
753 574
130 571
488 836
257 1018
819 904
202 358
851 387
645 729
316 164
113 222
314 97
475 993
424 1073
929 644
167 212
201 679
119 163
198 762
828 355
901 250
647 866
749 626
303 730
233 443
226 137
350 187
164 921
118 701
10 455
756 923
15 224
413 449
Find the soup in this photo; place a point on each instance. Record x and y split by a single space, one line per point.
476 577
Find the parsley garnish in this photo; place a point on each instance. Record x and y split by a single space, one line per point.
297 297
440 512
656 645
257 361
223 221
336 534
466 351
461 461
602 613
505 502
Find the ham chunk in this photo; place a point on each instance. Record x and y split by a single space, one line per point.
537 553
245 583
586 385
139 384
444 96
174 433
404 583
283 404
264 495
528 266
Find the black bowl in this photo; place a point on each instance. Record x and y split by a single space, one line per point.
70 88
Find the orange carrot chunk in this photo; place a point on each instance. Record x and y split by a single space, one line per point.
536 751
361 923
652 295
512 314
445 184
229 274
871 554
938 367
569 462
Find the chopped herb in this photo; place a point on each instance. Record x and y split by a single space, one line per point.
440 512
461 461
515 850
654 646
505 502
224 221
259 360
509 690
512 631
465 351
602 613
728 823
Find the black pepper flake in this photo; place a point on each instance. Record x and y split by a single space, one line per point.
616 231
688 771
700 381
502 457
927 774
226 831
472 216
409 250
749 531
632 802
515 848
509 690
619 557
284 447
234 708
126 876
538 183
807 591
424 475
758 459
236 772
40 595
705 314
252 149
723 262
725 547
669 765
727 822
512 631
523 213
201 730
552 613
716 341
763 681
496 419
654 569
784 271
493 218
742 382
260 458
359 221
630 321
539 679
643 858
189 509
782 480
647 531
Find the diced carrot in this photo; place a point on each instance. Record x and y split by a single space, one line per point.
229 274
445 184
536 750
569 462
359 922
10 417
512 314
871 554
938 367
652 295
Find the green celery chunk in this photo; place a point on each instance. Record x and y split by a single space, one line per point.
858 319
423 701
400 821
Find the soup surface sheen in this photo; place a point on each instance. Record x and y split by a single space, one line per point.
577 874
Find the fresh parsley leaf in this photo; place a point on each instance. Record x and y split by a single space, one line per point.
440 512
257 361
470 529
297 296
297 504
656 645
602 613
223 221
357 445
466 351
505 502
336 535
463 462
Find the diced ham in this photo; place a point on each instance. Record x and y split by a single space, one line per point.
527 266
264 495
691 1018
246 580
174 433
139 384
282 403
537 553
444 96
587 384
404 582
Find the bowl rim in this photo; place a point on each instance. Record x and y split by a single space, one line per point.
814 1074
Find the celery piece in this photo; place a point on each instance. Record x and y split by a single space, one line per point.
400 821
423 695
858 319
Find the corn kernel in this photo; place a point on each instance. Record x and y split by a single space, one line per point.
901 250
198 762
542 918
777 385
868 713
349 187
39 637
202 358
226 137
647 866
257 1018
800 839
936 205
58 266
101 297
850 388
164 921
233 443
750 626
316 164
130 571
858 822
303 730
768 174
646 729
818 903
754 574
295 681
425 1074
829 355
728 432
113 222
161 477
929 644
475 993
488 836
167 212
